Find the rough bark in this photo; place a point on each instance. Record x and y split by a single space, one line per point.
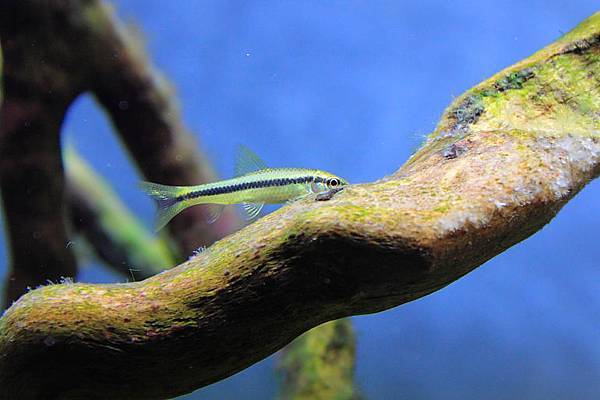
318 365
506 156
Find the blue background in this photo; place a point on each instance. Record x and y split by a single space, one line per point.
353 87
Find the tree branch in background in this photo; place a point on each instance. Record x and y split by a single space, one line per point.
320 364
53 51
117 237
144 111
31 176
506 156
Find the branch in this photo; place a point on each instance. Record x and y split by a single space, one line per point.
141 105
507 155
31 175
118 238
320 364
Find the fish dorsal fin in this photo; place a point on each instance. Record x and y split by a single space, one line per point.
252 209
247 161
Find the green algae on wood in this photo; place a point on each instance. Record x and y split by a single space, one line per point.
320 364
556 89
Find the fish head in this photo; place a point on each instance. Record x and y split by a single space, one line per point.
334 182
328 181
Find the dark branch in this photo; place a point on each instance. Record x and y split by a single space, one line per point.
31 178
320 364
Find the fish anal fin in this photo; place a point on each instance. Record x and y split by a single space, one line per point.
247 161
252 209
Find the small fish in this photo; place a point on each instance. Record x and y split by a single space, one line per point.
254 185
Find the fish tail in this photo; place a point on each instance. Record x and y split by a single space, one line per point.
167 199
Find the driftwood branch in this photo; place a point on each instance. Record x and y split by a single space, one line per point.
31 178
320 364
506 156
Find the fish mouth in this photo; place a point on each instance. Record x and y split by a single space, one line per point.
328 195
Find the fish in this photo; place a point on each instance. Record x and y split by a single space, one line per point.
253 186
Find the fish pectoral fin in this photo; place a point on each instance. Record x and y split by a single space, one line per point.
295 199
247 161
252 209
214 212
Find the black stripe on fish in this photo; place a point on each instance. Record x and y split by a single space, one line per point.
249 185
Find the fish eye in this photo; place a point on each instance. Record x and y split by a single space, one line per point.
333 182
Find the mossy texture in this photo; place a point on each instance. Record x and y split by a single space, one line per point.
525 143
